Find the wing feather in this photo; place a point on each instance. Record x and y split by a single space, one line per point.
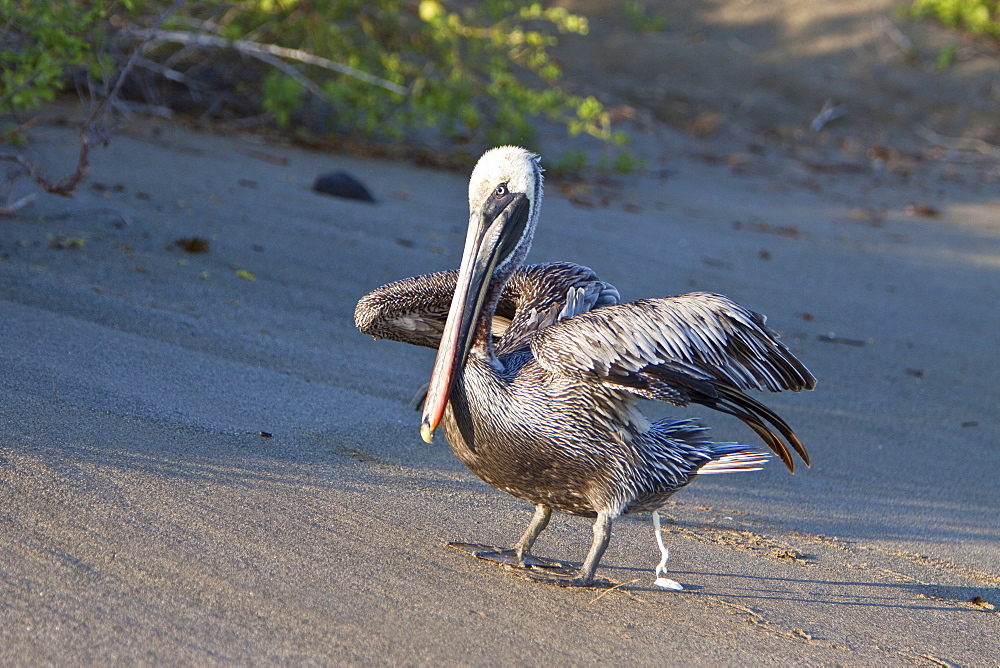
411 310
414 310
543 294
710 335
696 348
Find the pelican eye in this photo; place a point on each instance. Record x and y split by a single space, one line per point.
501 191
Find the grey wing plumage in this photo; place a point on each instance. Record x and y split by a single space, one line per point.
701 331
695 348
414 310
538 296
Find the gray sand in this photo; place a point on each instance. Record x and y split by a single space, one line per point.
146 518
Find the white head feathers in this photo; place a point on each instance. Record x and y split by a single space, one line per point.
516 167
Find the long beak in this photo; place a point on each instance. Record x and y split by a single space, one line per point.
492 236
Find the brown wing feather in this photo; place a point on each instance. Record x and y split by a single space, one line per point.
538 296
414 310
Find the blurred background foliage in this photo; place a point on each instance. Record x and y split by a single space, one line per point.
980 17
41 43
461 73
383 70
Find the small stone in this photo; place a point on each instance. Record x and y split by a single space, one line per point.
342 184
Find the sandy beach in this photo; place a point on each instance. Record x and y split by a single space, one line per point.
202 461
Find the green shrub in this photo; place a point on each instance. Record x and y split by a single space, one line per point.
981 17
39 42
478 73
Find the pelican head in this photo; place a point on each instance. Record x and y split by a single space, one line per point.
505 193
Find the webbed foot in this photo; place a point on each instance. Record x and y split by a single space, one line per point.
567 581
508 557
536 569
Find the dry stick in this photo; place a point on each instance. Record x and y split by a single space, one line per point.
11 207
829 112
258 49
896 35
166 72
279 64
66 186
606 591
27 125
958 143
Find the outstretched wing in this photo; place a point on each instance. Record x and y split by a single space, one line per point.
414 310
696 348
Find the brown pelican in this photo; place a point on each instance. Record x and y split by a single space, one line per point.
539 370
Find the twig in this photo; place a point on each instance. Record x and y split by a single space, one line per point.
10 208
757 617
18 130
279 64
959 143
829 112
606 591
257 48
138 50
148 109
896 35
168 73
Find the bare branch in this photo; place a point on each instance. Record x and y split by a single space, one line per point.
279 64
257 48
829 112
89 132
959 143
11 207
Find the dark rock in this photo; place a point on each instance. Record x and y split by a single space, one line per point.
342 184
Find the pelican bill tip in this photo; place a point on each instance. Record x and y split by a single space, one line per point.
427 432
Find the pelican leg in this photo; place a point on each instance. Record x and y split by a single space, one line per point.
537 525
602 536
585 576
520 554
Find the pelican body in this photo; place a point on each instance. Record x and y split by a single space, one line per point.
540 368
